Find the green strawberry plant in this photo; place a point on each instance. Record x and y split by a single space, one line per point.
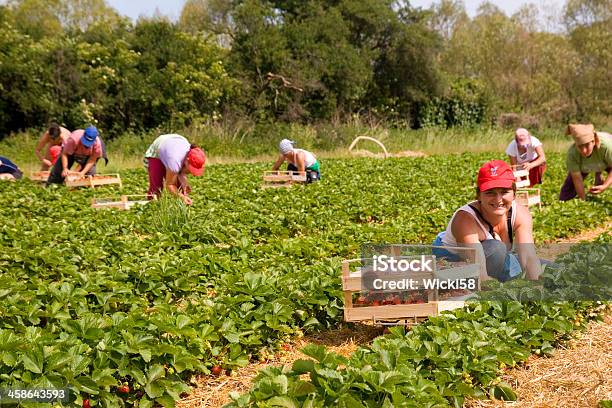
147 298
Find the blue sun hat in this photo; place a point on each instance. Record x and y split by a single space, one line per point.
89 136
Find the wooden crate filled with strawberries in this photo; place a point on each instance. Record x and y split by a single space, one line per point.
410 305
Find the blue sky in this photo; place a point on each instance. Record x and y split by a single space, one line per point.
172 8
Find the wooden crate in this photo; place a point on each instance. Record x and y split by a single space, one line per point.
126 202
529 197
525 195
93 181
40 176
274 179
403 313
521 176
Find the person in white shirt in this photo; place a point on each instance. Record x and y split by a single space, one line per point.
299 160
527 151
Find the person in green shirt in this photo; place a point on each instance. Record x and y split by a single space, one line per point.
590 153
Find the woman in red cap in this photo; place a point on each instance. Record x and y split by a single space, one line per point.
168 160
492 224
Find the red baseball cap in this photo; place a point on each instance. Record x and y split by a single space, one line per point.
196 159
495 174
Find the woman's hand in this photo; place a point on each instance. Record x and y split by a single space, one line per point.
186 200
597 189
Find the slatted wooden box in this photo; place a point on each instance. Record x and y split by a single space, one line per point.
422 303
521 176
126 202
40 176
274 179
93 181
529 197
525 195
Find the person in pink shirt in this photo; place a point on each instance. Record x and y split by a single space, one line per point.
50 144
83 147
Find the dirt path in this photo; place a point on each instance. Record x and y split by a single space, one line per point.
558 388
589 235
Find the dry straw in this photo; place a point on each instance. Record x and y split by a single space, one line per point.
579 374
213 391
576 375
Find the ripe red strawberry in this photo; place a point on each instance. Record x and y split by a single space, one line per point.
216 370
124 389
86 403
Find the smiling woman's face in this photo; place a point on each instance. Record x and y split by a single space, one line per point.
496 201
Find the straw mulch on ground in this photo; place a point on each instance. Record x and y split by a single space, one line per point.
589 235
213 391
578 375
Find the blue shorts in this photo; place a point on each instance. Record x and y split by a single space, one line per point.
502 264
443 252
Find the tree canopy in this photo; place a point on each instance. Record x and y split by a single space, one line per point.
306 61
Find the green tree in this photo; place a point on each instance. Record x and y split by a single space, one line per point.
180 76
589 23
587 12
195 16
48 18
406 74
334 57
83 14
446 16
37 18
210 16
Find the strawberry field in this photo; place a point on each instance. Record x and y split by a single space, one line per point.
126 306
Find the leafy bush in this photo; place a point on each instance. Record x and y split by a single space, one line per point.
465 105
